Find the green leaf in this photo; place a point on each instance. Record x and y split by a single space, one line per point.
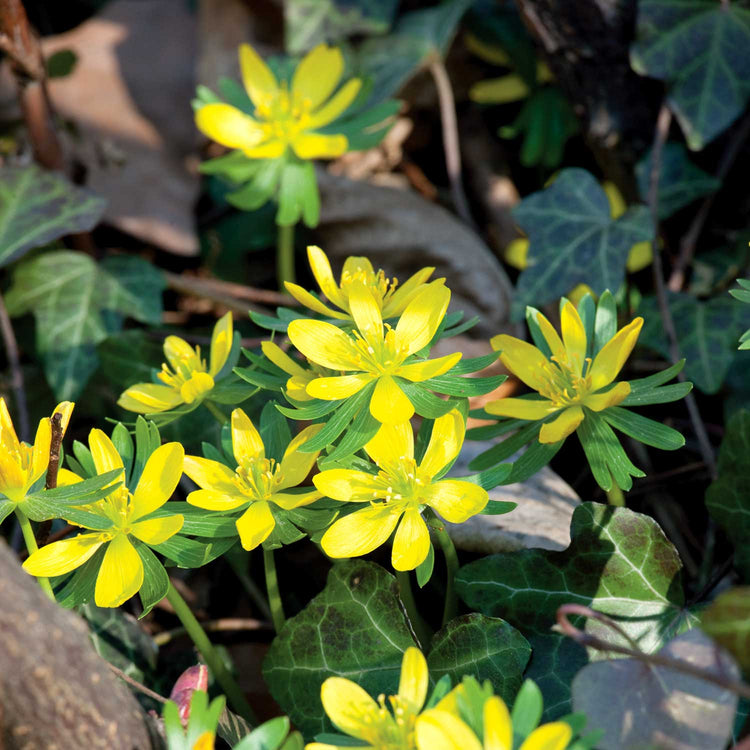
424 570
268 736
78 588
651 390
191 553
274 431
354 628
643 429
38 207
426 404
727 621
81 493
232 728
465 387
700 48
298 194
487 648
618 562
155 578
573 239
680 181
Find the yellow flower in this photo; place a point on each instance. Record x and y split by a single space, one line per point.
185 375
569 382
284 116
255 483
374 354
296 386
441 729
124 515
399 492
357 271
21 465
357 714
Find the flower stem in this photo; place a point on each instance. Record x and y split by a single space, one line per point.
419 626
285 255
450 609
31 546
217 413
615 495
232 690
272 589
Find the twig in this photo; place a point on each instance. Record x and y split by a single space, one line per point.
450 137
42 531
654 660
662 130
11 347
224 625
249 293
690 239
137 685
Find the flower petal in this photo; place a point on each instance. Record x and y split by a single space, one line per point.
210 475
228 126
521 408
498 727
281 359
338 386
601 401
422 316
555 343
40 451
157 530
149 398
308 300
347 705
319 146
159 479
321 268
194 388
121 573
213 500
221 343
66 477
296 465
521 358
64 409
574 336
246 440
325 344
103 452
389 404
272 149
414 680
258 78
61 557
348 485
406 292
439 730
360 532
318 74
289 501
8 437
553 736
456 500
613 355
390 444
428 368
508 88
178 352
445 442
562 426
336 105
411 543
366 313
255 524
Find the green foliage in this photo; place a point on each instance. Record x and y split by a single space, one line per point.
700 49
743 295
38 207
727 621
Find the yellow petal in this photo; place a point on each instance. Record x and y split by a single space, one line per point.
554 736
336 105
391 443
521 408
412 541
121 573
554 342
221 343
160 477
640 256
562 426
64 409
157 530
617 205
360 532
429 368
296 386
308 300
439 730
213 500
389 404
348 485
521 358
106 458
65 477
178 353
281 359
366 313
347 705
414 680
357 266
456 500
502 90
406 292
210 475
289 501
61 557
498 727
321 268
601 401
515 253
228 126
255 524
325 344
149 398
8 436
339 386
574 336
269 150
40 452
445 442
258 78
246 440
296 465
422 316
318 74
614 354
319 146
199 384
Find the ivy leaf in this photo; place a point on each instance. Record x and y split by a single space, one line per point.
77 303
680 181
727 621
573 239
618 562
354 628
701 49
38 207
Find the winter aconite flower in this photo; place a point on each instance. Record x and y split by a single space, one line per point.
296 386
285 116
376 724
120 522
396 495
256 482
391 298
375 352
22 465
568 381
185 377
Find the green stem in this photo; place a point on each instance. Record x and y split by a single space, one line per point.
421 630
31 546
451 561
218 414
272 590
206 649
615 495
285 255
251 588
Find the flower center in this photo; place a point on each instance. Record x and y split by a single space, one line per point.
400 484
381 287
565 382
389 730
286 114
257 477
117 506
185 366
378 353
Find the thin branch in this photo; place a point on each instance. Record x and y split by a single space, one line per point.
654 660
662 130
137 685
450 137
16 374
224 625
44 528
